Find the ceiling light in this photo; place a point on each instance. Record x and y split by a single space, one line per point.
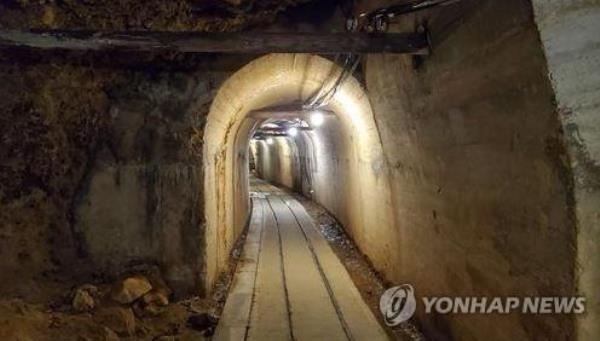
270 140
317 118
293 131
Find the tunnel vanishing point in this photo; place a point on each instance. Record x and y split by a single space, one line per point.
242 169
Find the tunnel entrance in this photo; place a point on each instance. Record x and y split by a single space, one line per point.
350 184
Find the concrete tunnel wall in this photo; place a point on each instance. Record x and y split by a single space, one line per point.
570 33
480 187
480 182
278 163
315 163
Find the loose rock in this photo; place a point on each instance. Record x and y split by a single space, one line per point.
110 335
83 300
91 289
151 304
120 320
165 338
203 322
147 310
156 297
158 284
130 289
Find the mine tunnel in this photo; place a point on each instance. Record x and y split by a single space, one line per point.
300 170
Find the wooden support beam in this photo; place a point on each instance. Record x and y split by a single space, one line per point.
198 42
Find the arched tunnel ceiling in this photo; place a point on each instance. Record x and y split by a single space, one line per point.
283 79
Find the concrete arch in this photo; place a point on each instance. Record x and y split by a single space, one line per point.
274 80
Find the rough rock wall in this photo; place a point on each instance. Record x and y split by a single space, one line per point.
177 15
101 170
141 200
51 118
570 32
96 163
480 178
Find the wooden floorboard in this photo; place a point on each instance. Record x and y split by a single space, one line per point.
290 285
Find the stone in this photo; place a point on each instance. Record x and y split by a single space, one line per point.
202 322
151 304
153 310
83 300
158 284
110 335
165 338
91 289
130 289
118 319
156 297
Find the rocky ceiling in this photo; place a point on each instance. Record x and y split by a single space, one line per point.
198 15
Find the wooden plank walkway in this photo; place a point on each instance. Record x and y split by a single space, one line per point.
289 284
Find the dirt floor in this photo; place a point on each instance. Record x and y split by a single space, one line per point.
95 311
367 280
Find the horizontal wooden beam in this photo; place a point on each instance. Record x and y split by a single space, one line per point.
199 42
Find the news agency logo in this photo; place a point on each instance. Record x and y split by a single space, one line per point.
398 304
